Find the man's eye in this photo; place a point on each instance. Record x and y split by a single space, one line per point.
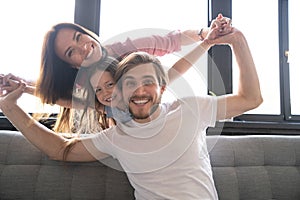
148 82
130 84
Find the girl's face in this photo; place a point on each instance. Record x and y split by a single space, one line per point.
104 87
76 48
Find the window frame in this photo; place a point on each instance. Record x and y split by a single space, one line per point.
87 14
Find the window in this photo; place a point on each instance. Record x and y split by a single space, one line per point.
293 56
156 17
272 35
262 37
25 23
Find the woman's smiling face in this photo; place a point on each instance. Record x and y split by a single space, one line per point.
76 48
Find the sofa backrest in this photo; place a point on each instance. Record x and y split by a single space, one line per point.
256 167
244 167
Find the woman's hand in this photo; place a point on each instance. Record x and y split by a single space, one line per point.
219 27
221 24
216 34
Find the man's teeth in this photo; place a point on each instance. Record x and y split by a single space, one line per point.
140 101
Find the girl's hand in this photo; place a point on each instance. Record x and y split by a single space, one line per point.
11 97
6 86
10 82
10 76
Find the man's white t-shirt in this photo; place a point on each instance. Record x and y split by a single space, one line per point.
166 158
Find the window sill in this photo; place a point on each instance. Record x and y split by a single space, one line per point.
227 128
255 128
5 124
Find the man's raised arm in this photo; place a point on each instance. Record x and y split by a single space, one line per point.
248 95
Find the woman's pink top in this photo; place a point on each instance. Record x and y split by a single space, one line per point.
155 45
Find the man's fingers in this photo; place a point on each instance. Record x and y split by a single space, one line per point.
225 30
220 16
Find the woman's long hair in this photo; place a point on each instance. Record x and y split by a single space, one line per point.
57 77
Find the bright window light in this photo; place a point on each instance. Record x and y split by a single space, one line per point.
156 17
294 57
24 24
262 37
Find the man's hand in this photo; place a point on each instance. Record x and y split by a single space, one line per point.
221 26
235 36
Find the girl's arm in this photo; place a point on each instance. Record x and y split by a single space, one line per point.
10 83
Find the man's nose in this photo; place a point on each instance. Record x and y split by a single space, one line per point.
139 90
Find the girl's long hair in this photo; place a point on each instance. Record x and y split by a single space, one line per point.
109 64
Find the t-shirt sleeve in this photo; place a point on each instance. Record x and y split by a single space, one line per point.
208 110
155 45
203 108
99 144
213 111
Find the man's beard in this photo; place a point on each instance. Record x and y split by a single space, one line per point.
143 116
